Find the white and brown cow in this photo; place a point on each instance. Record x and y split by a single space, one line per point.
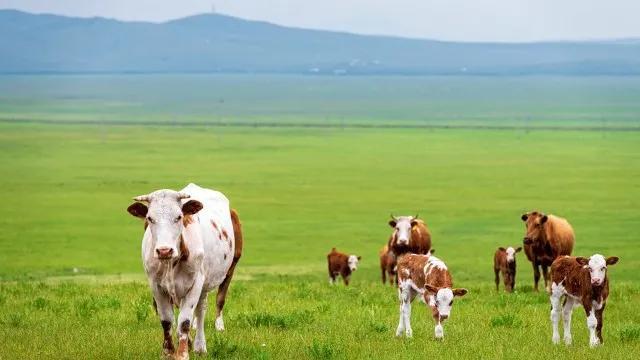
427 276
504 261
584 282
410 235
191 245
341 264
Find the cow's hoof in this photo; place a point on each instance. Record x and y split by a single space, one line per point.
219 323
594 343
555 339
182 356
200 347
567 340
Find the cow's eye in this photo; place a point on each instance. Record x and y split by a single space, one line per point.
603 269
451 303
178 218
150 219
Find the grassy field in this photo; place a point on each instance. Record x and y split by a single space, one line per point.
71 279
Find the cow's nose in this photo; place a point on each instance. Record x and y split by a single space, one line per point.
443 317
164 252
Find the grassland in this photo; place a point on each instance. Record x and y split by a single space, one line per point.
71 279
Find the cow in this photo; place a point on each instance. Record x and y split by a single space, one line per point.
427 276
547 237
388 263
583 281
410 235
504 261
341 264
192 243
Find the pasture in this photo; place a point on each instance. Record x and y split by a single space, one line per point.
72 284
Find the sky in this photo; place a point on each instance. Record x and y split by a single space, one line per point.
458 20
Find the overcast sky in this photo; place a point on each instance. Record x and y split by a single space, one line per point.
466 20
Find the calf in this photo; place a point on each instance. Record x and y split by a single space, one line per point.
428 276
504 261
582 281
387 265
341 264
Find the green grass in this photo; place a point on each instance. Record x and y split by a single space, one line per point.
71 279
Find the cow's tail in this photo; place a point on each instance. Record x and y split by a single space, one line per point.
237 235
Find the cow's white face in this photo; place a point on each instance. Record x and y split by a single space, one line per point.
442 299
164 217
597 266
403 226
353 262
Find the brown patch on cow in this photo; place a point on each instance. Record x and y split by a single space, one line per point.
388 262
167 346
547 237
187 219
338 264
224 233
239 242
184 250
419 243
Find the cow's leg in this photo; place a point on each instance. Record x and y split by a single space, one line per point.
599 319
566 318
165 312
345 278
200 345
384 276
403 296
557 290
497 273
438 330
545 275
222 295
185 318
592 322
536 276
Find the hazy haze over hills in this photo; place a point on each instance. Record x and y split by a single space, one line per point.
218 43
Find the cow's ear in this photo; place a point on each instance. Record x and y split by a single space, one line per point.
502 249
191 207
430 289
582 260
392 223
414 222
612 260
519 248
138 210
544 219
359 258
459 292
524 217
432 251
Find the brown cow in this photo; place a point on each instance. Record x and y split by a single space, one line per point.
504 261
428 276
547 238
341 264
583 281
410 235
387 265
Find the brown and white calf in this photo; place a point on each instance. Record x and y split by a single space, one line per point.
584 282
504 261
191 245
341 264
427 276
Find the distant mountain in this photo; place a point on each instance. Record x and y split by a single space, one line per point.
216 43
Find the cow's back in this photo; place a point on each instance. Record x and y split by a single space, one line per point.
560 235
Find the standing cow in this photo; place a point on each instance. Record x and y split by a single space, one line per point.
547 237
504 261
191 245
410 235
387 265
341 264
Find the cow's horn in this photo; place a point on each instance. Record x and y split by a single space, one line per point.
415 217
393 217
142 198
183 195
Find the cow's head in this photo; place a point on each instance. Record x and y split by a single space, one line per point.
511 253
353 262
597 265
441 299
164 217
402 226
534 222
